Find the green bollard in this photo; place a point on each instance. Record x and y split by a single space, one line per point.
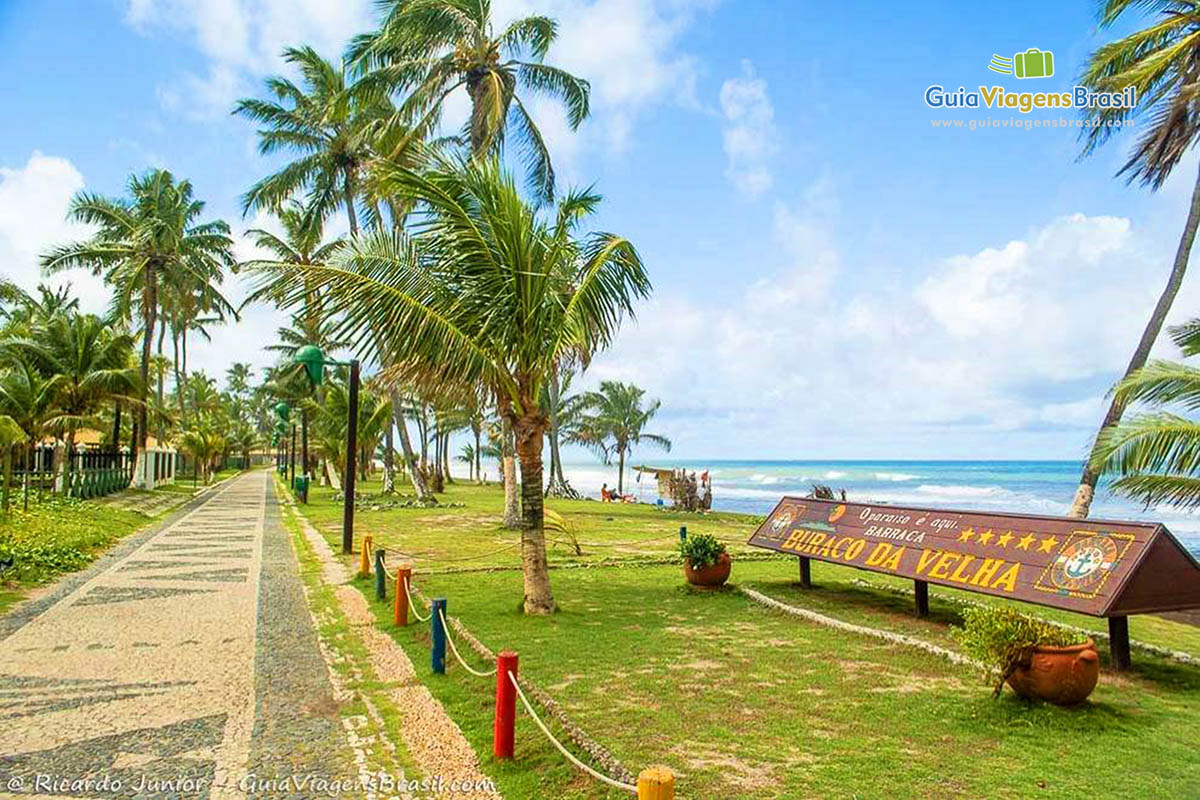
380 575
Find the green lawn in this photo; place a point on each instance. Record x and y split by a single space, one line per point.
746 702
56 536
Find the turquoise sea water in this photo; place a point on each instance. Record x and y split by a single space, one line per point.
1031 487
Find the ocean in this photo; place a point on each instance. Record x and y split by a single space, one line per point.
1030 487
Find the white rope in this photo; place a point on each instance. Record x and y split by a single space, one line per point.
597 775
412 605
850 627
457 655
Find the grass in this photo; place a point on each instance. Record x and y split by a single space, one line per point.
745 702
56 536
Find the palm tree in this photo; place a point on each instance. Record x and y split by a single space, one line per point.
152 237
432 48
467 455
485 298
617 416
328 122
1156 456
88 365
28 397
300 244
1159 61
204 443
237 377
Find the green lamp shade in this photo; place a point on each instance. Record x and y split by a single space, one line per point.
314 362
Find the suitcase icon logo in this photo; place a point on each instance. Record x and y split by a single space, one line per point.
1033 63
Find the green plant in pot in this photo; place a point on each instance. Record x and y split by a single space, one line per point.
705 560
1037 659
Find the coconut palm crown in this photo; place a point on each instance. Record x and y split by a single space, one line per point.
150 240
1155 456
429 49
486 296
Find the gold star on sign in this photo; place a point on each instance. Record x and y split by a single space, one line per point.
1026 541
1047 544
1004 540
985 537
966 535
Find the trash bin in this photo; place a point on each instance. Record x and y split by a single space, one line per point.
302 488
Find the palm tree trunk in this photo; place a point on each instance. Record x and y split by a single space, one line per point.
162 332
183 367
69 467
389 477
149 313
1087 482
478 474
351 214
175 369
406 450
512 506
538 598
423 429
116 429
621 471
446 457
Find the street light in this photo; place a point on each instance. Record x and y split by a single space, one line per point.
314 363
284 412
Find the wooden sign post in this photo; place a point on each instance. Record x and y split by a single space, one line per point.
1097 567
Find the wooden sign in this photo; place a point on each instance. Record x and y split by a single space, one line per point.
1094 567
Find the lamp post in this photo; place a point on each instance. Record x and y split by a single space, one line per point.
314 362
284 412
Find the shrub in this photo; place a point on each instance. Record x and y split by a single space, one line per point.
1003 639
701 549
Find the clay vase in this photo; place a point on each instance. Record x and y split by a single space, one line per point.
711 576
1064 676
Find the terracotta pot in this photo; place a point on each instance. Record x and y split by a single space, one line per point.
1064 676
712 575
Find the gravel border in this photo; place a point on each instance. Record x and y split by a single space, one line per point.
432 739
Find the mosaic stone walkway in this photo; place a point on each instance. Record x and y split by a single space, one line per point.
177 667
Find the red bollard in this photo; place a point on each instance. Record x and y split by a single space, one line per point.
506 705
400 610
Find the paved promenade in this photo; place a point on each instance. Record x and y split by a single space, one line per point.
179 665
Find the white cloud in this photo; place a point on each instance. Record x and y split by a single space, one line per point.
33 208
750 137
1020 339
243 40
627 49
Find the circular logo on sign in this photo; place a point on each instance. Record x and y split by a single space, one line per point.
783 520
837 513
1084 563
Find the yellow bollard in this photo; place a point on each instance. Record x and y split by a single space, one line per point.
656 783
364 559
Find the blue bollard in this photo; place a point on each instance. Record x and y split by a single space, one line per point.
380 575
438 655
683 533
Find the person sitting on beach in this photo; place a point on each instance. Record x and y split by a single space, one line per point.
605 494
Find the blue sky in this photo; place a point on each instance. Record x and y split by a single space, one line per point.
834 277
